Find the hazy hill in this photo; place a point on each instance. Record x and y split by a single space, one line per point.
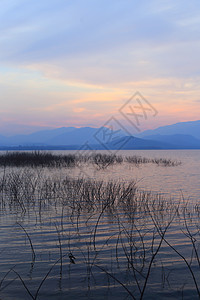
186 128
127 143
64 136
78 136
3 140
185 141
184 135
12 129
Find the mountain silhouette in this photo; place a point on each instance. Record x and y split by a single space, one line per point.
184 135
187 128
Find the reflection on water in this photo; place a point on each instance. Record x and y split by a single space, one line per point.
115 234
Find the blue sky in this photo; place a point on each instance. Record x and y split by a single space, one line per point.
74 63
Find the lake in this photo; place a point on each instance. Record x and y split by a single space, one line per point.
183 179
124 231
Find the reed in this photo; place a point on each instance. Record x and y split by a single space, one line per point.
101 161
138 225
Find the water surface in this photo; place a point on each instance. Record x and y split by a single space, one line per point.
112 245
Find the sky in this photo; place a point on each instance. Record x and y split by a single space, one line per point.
78 62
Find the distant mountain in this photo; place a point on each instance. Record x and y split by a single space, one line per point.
184 135
134 143
39 137
64 136
14 129
3 140
78 136
184 141
186 128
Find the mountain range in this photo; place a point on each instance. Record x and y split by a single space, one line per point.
183 135
186 128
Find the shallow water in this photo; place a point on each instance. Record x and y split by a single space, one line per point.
110 249
175 181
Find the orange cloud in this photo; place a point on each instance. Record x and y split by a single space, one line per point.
79 109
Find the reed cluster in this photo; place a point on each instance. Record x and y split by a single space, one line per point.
48 159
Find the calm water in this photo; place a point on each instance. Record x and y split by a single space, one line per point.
112 252
175 181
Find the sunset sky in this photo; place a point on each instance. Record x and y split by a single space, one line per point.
76 62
